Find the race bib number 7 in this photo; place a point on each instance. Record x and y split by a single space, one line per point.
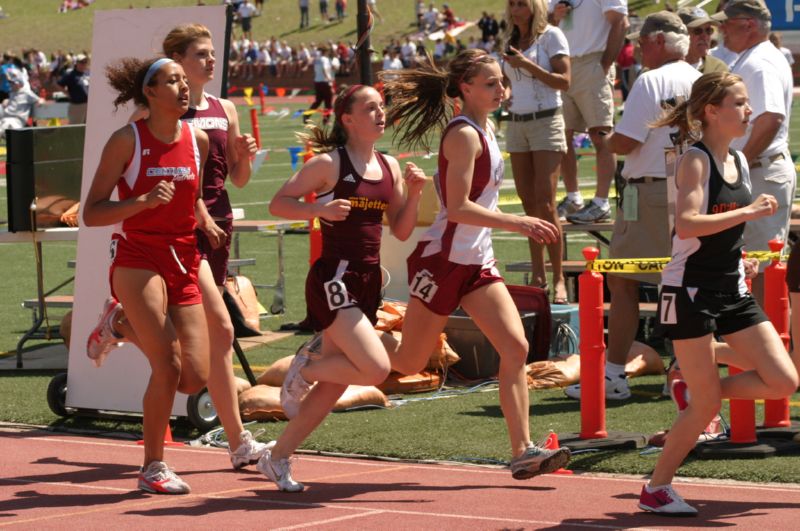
336 293
668 314
423 286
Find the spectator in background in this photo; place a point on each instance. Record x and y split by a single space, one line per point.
323 10
627 67
701 28
16 109
595 31
768 78
720 50
448 16
303 5
641 227
76 83
246 11
777 40
373 7
431 19
536 65
439 49
323 83
340 7
5 85
419 10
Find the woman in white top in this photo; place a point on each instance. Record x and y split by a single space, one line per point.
536 65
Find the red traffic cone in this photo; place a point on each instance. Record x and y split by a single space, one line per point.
168 441
553 444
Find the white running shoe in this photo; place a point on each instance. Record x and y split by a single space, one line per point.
664 500
102 339
294 387
279 471
158 478
249 451
537 460
616 389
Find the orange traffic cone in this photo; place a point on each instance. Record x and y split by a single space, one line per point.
168 441
553 444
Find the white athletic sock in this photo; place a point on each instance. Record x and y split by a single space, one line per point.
601 202
575 197
614 370
652 489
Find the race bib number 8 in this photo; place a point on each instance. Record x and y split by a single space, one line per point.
668 314
423 286
336 293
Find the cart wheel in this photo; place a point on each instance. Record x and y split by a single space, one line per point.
201 411
57 395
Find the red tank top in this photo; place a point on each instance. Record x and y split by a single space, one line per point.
357 237
214 121
155 161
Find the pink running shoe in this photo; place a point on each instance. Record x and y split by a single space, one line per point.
102 340
665 501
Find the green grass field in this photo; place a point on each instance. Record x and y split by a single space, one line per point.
467 427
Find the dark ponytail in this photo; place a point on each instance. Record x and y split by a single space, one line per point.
126 77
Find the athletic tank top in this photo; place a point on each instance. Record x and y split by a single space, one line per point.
154 161
214 121
713 262
461 243
358 236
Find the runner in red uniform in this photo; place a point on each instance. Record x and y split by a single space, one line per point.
454 264
355 187
229 153
156 166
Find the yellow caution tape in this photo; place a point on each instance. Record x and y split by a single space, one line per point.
655 265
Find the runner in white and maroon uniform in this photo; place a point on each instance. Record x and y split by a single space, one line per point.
453 265
155 165
355 186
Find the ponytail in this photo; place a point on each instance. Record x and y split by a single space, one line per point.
126 77
324 140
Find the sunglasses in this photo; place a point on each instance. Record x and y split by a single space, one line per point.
700 31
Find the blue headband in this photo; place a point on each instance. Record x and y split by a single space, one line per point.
154 68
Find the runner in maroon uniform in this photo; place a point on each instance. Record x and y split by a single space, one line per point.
355 187
155 164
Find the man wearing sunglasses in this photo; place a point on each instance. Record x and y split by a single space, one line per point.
768 78
701 28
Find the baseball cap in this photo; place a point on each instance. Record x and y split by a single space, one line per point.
695 16
665 21
14 76
744 9
81 58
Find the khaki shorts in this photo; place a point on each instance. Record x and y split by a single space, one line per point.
648 237
778 179
589 102
545 134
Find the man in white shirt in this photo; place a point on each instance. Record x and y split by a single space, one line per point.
15 111
641 227
595 31
768 78
777 39
246 12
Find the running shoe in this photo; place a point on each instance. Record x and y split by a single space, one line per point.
279 471
102 340
537 460
158 478
616 389
294 387
664 500
566 207
590 213
249 451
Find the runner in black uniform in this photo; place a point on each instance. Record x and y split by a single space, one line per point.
703 290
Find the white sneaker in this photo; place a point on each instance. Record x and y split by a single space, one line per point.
102 339
294 387
249 452
279 471
537 460
664 500
158 478
616 389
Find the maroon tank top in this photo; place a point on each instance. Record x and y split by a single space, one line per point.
357 237
214 122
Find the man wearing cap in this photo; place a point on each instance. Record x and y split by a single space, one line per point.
15 111
768 78
76 83
595 31
701 28
641 227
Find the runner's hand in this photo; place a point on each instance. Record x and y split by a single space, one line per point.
161 194
764 205
216 236
245 146
538 230
750 267
414 178
336 210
